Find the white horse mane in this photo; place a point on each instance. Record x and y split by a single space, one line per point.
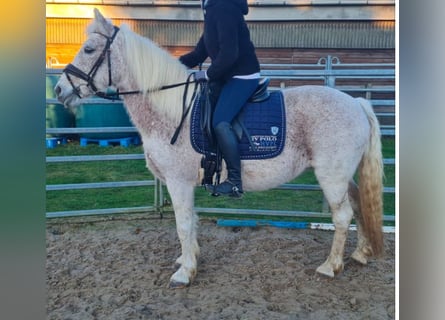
153 67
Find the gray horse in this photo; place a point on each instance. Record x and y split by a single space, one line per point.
327 130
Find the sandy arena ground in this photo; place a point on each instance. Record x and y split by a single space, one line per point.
119 268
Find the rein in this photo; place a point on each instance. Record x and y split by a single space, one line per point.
116 95
89 79
185 109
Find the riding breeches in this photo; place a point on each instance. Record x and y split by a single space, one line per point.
234 95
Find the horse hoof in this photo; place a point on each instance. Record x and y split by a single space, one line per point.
325 271
359 257
177 285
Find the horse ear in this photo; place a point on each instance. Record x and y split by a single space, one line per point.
98 16
102 21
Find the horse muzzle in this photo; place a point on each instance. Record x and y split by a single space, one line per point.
67 96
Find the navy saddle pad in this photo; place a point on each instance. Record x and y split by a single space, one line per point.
265 122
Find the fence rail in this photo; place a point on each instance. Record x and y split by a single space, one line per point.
328 70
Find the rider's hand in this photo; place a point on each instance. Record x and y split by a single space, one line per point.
201 76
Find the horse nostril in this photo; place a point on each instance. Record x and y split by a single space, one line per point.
57 90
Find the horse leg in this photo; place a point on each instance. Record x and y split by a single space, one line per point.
341 215
182 196
363 250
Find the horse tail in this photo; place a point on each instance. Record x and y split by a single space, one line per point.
370 184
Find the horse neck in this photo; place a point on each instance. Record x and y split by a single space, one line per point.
147 67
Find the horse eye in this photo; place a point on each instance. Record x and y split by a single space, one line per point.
88 50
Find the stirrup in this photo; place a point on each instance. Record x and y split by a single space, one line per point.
232 190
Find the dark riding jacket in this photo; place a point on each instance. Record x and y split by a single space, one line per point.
226 40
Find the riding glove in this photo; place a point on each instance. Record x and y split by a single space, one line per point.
201 76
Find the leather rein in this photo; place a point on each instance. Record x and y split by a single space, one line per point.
71 70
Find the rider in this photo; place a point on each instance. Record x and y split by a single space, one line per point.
233 76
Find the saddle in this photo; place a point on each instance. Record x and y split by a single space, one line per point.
260 94
260 128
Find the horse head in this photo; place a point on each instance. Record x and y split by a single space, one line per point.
90 71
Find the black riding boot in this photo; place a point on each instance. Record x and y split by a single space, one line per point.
228 145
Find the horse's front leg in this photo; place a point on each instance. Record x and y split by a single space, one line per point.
182 196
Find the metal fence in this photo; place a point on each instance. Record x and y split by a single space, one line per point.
374 80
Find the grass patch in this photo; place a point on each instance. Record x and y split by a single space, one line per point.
134 170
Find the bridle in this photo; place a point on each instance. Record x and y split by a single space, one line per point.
71 70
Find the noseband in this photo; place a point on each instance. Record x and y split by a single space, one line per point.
89 77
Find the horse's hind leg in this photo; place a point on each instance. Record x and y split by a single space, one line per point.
182 196
336 193
363 249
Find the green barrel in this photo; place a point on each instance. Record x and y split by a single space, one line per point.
57 116
103 115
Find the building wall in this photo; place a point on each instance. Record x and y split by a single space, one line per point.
298 31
